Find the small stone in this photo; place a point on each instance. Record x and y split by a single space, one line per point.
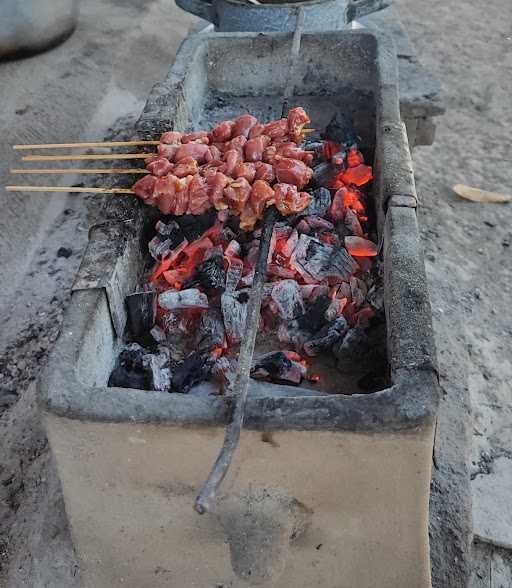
64 252
506 241
490 224
480 251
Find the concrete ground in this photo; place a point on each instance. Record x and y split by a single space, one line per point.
103 72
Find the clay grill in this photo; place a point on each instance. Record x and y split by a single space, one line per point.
218 77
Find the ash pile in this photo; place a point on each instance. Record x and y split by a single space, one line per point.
322 319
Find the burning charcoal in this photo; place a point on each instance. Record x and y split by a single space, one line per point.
341 130
234 274
277 366
352 223
168 237
183 299
193 226
141 312
335 308
233 249
315 260
234 312
358 291
159 366
158 248
320 204
210 333
330 335
224 371
326 172
287 297
317 223
209 274
130 370
314 317
195 369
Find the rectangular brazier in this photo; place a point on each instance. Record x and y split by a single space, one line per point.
131 461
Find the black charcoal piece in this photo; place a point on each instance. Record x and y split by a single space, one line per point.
130 370
234 274
330 335
210 274
194 226
354 349
141 313
234 313
183 300
325 173
193 370
210 333
341 130
287 298
315 260
314 317
276 366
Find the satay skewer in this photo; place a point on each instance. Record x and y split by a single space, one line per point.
75 170
92 190
84 145
88 157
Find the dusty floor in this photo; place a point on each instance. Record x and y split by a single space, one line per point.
104 71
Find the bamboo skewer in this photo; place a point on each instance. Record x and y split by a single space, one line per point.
68 189
84 145
97 156
73 170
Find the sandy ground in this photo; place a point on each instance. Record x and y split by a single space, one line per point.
104 71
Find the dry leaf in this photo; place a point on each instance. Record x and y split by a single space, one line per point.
476 195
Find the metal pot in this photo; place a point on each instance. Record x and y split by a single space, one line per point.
30 26
277 16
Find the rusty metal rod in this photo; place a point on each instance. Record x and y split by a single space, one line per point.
206 498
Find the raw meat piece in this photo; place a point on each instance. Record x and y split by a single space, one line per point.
144 189
292 171
245 170
269 153
264 171
254 147
181 205
293 152
297 119
217 181
215 152
262 195
199 200
232 157
237 194
238 144
186 167
248 218
198 151
197 137
243 125
289 200
222 132
256 130
165 194
167 151
277 130
159 166
171 138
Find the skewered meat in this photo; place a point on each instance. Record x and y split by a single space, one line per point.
182 197
254 147
289 200
215 152
198 151
238 144
144 188
297 119
232 158
264 171
171 137
217 181
165 193
291 150
197 137
159 166
198 197
262 195
256 130
277 129
244 124
167 151
186 167
222 132
237 194
269 153
246 170
292 171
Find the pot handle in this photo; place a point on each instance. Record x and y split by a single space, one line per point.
359 8
201 8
